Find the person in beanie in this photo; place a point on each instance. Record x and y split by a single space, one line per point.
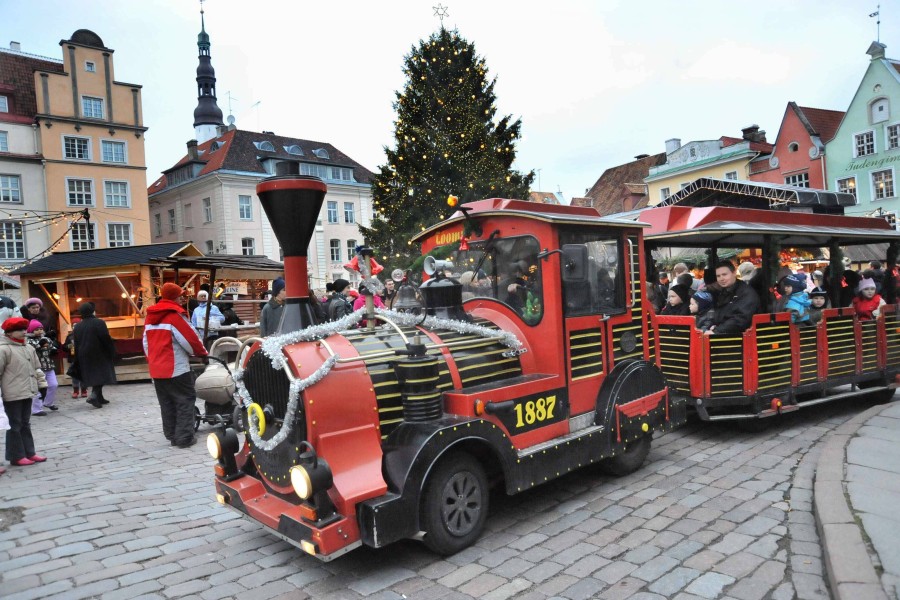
677 304
818 301
867 302
21 378
34 309
702 309
94 354
340 304
46 350
169 341
794 298
198 318
270 317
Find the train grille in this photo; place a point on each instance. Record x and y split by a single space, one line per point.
726 365
892 331
632 333
266 385
586 350
675 355
809 355
869 346
773 351
841 346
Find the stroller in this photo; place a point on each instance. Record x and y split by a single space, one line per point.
215 385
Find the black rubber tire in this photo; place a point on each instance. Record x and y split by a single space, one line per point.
454 504
629 461
197 418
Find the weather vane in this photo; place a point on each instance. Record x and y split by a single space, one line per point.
440 11
877 14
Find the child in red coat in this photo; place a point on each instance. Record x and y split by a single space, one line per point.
867 301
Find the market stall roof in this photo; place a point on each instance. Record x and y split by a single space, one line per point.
229 266
708 191
98 258
736 227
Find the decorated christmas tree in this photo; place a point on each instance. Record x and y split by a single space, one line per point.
447 142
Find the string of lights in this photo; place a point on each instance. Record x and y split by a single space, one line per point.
39 224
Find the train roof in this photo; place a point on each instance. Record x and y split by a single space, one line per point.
720 225
552 213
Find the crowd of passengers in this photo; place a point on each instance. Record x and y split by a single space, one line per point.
727 305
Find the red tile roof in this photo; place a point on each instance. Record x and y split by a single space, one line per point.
824 122
543 197
17 78
763 147
618 184
237 152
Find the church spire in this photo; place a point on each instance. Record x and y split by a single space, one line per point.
207 115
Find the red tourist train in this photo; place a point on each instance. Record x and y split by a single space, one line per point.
547 359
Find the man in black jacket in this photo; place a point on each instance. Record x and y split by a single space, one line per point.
736 302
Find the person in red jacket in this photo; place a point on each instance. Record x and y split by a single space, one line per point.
169 341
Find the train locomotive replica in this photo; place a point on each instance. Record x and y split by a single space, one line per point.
399 428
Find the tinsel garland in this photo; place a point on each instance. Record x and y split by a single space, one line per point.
273 347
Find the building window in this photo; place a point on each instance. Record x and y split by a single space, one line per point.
116 194
893 136
4 104
76 148
879 111
92 107
90 67
157 224
295 149
865 143
209 247
172 222
248 246
118 235
335 247
207 210
883 184
321 153
332 211
113 152
351 249
12 240
4 141
79 238
732 175
348 213
793 147
80 192
847 186
188 215
245 208
798 180
10 188
663 194
684 185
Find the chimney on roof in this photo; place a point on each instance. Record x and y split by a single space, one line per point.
754 134
15 46
269 132
672 145
192 150
641 156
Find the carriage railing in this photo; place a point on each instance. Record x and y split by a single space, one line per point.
774 355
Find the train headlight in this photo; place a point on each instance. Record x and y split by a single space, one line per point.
214 446
311 476
301 481
222 445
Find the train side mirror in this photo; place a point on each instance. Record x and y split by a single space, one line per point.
574 264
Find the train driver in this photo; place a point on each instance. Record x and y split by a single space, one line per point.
735 302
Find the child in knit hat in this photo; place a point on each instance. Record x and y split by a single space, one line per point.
46 350
818 301
702 309
868 301
677 304
794 298
21 378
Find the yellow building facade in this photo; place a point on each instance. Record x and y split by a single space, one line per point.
92 141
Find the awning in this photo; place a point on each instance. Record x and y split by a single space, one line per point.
707 191
228 266
749 235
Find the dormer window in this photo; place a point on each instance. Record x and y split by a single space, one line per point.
321 153
264 146
295 149
879 110
4 104
90 67
215 146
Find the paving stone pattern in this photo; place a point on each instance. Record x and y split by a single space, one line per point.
116 512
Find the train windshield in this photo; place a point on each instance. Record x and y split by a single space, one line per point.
594 283
504 269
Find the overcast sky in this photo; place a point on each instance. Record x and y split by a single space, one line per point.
594 82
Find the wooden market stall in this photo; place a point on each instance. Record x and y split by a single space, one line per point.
123 282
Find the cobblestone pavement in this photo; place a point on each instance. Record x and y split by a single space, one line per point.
116 512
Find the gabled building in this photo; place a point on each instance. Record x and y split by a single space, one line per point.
724 158
545 198
209 197
621 188
864 154
799 154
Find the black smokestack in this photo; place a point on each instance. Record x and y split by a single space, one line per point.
292 203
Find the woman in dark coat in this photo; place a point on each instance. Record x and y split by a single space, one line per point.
33 309
94 354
